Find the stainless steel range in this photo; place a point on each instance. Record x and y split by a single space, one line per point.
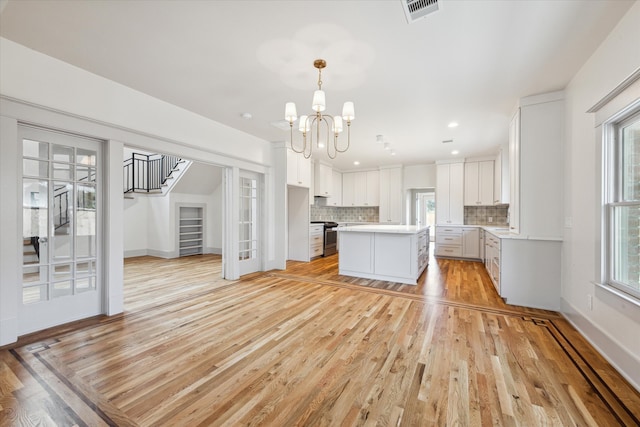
330 245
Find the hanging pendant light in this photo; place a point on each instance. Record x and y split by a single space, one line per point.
310 125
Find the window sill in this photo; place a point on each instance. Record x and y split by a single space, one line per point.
628 298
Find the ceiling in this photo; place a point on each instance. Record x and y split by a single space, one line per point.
469 62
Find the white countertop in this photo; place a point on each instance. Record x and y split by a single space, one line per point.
502 232
384 228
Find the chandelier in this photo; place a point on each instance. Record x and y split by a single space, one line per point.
313 124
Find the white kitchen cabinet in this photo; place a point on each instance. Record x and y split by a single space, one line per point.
514 265
449 194
391 195
336 189
361 188
298 169
448 241
471 242
323 182
536 152
478 183
492 258
348 189
514 173
384 252
373 188
316 240
458 242
501 177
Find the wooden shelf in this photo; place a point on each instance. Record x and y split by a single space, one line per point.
190 235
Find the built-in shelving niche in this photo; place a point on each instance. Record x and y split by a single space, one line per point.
190 230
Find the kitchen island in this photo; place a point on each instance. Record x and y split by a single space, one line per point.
395 253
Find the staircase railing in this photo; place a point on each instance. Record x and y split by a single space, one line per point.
148 172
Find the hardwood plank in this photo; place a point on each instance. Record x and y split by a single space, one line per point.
307 346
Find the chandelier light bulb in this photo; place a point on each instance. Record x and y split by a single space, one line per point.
304 122
337 125
318 101
348 112
290 113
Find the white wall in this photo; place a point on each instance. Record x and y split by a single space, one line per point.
150 222
613 323
39 89
136 212
33 77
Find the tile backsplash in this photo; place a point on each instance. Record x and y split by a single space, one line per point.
473 215
345 214
486 215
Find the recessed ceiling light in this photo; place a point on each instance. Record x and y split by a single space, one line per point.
454 152
387 146
356 163
320 144
393 152
246 116
379 139
453 125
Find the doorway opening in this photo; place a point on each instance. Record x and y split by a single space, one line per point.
423 209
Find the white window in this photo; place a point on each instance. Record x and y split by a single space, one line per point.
622 226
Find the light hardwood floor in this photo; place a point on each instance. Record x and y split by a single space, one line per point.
306 346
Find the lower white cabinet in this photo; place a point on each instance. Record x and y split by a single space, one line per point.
471 242
525 272
448 241
316 240
492 250
458 242
399 256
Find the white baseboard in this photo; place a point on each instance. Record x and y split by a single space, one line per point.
627 364
8 331
162 254
165 254
135 252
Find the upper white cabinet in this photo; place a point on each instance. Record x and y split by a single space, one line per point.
298 169
348 189
535 159
323 182
449 191
478 183
501 177
336 189
361 188
391 195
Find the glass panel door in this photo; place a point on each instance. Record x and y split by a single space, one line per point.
59 228
248 244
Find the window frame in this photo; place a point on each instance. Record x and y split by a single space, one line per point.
613 194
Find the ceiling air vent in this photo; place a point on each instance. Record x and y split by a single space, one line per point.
417 9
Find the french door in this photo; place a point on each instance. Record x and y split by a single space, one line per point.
248 242
61 189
